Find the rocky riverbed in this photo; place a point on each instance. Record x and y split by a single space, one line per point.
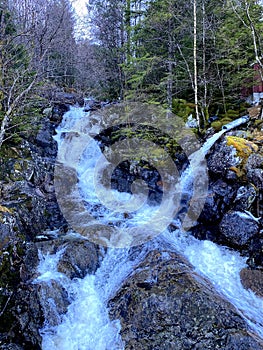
163 304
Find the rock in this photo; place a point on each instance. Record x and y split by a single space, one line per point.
71 98
31 262
47 112
78 259
29 316
245 197
28 207
254 161
165 305
54 301
59 109
44 137
219 198
92 105
254 112
253 280
238 227
256 177
255 252
222 159
11 347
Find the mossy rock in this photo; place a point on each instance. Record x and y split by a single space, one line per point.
244 147
232 114
217 125
182 108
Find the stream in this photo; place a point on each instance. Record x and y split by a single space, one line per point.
86 325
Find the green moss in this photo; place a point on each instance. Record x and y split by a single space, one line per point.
182 108
232 114
217 125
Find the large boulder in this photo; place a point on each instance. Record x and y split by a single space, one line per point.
222 159
239 227
254 168
79 258
165 305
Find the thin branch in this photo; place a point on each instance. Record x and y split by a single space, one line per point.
7 302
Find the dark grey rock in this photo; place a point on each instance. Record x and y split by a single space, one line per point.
221 159
78 259
254 161
245 197
238 227
256 177
11 347
177 310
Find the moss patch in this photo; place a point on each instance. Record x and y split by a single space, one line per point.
244 147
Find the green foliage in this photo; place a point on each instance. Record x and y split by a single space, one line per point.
182 108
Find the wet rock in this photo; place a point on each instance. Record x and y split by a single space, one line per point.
44 139
254 161
29 316
92 105
71 98
28 207
11 347
30 263
59 109
245 197
238 227
164 305
256 177
54 301
78 259
255 252
253 280
223 191
222 159
219 198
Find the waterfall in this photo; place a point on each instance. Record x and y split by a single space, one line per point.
86 325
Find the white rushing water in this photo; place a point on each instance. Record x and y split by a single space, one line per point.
86 325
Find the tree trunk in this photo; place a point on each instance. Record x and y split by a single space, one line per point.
255 44
6 119
195 66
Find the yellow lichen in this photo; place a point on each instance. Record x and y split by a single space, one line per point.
238 172
5 209
244 147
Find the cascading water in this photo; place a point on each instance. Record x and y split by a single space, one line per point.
86 325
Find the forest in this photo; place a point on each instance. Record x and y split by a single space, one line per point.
199 57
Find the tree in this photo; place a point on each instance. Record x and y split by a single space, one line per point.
28 42
107 18
49 27
250 13
16 78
